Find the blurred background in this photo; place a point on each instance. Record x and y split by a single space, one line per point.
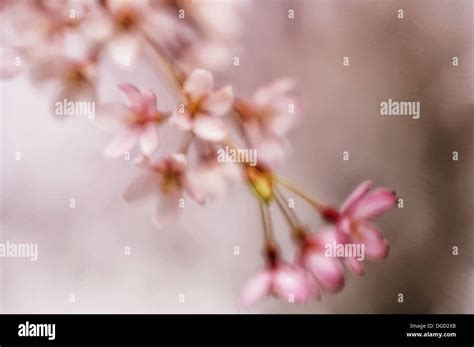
81 250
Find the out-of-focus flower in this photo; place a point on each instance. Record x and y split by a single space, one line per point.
326 271
126 26
214 19
206 54
268 117
203 107
135 123
213 29
279 279
213 177
353 221
42 25
75 78
168 180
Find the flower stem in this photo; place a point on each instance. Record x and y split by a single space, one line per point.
267 222
289 216
162 60
300 192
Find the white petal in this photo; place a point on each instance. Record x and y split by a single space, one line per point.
199 83
209 128
111 116
122 143
149 139
142 186
219 102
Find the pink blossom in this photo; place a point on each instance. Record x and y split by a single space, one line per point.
279 279
326 271
135 123
283 280
207 54
211 176
167 180
128 26
353 221
42 25
216 19
268 117
75 78
203 107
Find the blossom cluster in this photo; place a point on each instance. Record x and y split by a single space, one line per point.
184 38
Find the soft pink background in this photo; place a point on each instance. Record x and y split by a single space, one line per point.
81 249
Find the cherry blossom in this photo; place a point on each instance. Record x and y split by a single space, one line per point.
326 271
279 279
204 106
168 181
134 124
74 78
211 176
128 26
354 225
268 117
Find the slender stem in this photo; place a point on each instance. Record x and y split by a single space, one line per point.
267 222
290 216
297 190
164 64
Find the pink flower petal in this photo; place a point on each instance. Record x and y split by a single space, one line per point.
376 247
256 288
281 124
116 6
111 116
149 141
356 266
374 203
291 282
328 271
355 196
96 28
168 208
199 83
271 150
211 179
142 186
181 120
192 191
209 128
134 96
267 94
178 162
149 102
219 102
344 228
122 143
327 235
231 171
